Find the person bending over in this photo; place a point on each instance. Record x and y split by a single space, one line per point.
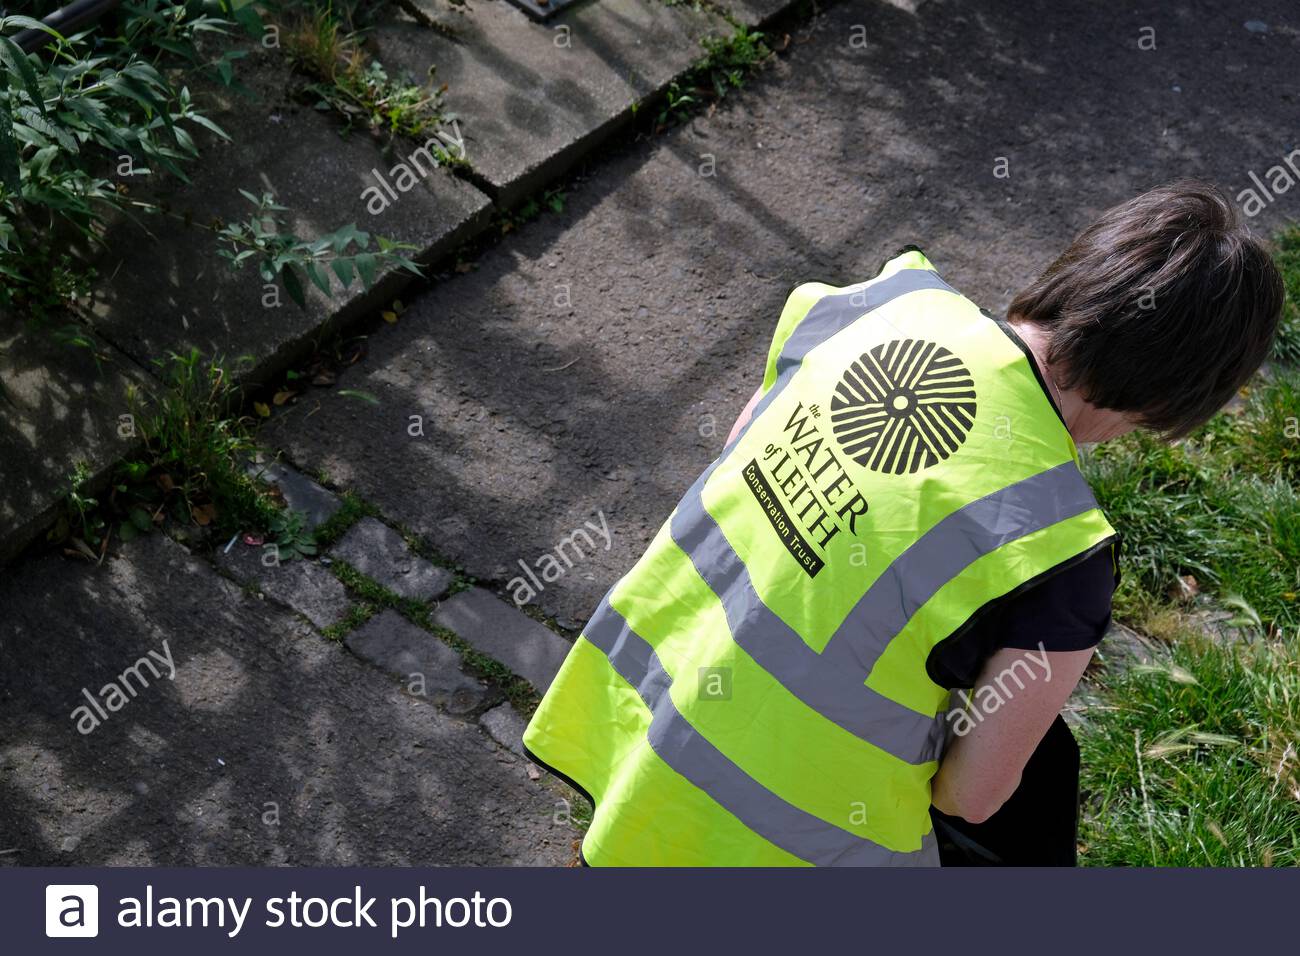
899 513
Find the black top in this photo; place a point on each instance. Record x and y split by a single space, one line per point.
1066 609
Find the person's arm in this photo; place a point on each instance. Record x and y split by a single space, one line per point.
982 768
745 414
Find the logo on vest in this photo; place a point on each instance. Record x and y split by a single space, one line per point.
804 490
903 406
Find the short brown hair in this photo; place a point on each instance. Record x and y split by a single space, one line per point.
1162 308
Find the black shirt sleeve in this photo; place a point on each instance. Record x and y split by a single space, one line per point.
1068 610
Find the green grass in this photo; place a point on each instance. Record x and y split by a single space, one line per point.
374 596
321 44
1194 763
337 524
1221 506
1287 253
189 466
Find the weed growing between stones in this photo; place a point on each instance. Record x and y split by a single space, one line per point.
374 597
323 44
281 254
727 62
191 470
352 510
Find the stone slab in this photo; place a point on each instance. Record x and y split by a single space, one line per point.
57 407
758 13
504 725
533 98
379 552
300 492
394 644
170 291
271 745
494 628
304 586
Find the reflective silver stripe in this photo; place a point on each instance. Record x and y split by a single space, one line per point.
835 313
943 552
832 682
841 697
837 693
685 750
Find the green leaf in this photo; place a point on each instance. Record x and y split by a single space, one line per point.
293 285
10 173
208 124
37 121
318 277
367 267
92 114
17 61
362 396
343 269
349 233
185 50
27 23
140 519
136 89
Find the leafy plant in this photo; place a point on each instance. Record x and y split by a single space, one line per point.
64 113
292 539
726 63
358 88
82 517
531 208
114 99
262 237
193 469
196 446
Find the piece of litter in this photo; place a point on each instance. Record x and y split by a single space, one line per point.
1256 26
253 540
534 773
220 761
233 538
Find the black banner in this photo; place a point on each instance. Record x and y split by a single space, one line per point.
634 911
799 549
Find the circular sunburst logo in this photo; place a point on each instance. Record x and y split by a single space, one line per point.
903 406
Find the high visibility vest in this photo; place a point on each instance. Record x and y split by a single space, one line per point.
754 691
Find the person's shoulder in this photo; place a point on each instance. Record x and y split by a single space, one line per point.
1068 609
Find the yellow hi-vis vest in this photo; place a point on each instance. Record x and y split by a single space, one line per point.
754 691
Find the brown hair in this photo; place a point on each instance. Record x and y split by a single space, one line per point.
1162 308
